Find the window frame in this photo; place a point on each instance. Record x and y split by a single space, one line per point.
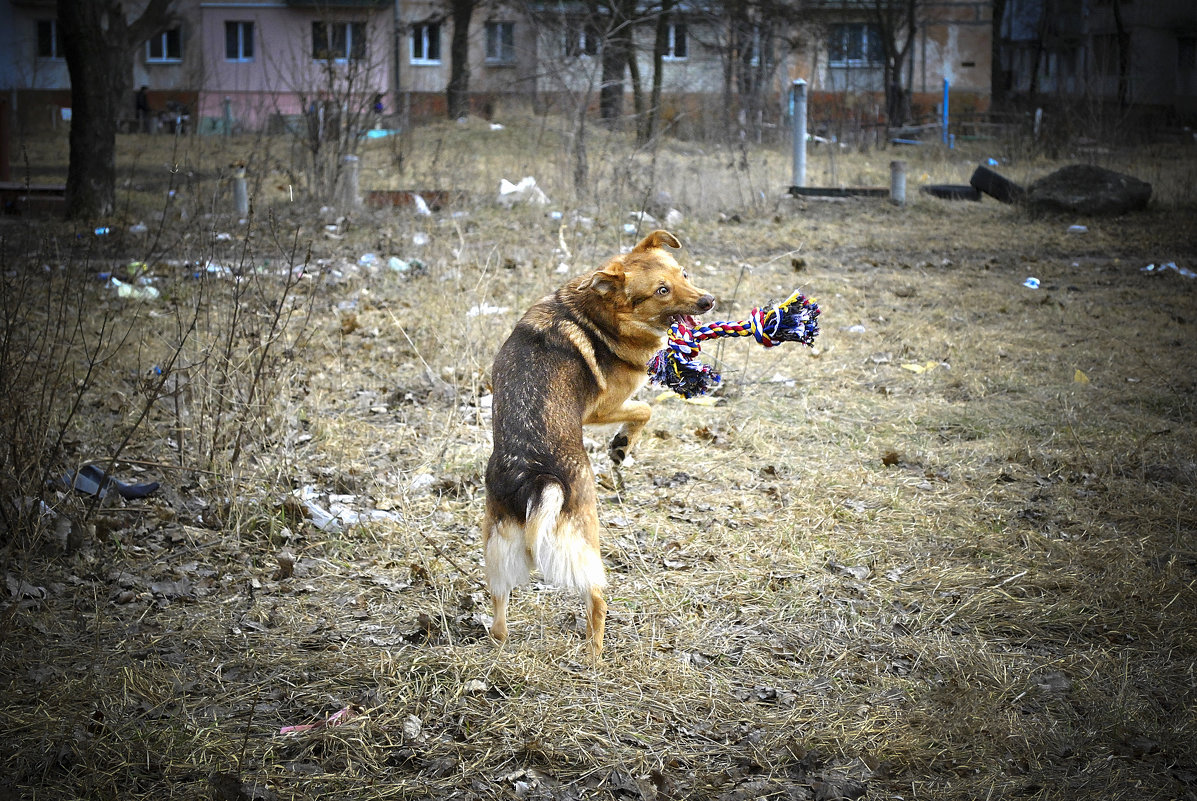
672 30
500 35
54 38
869 46
163 40
429 36
581 42
349 46
242 26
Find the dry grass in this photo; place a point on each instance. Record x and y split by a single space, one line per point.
972 581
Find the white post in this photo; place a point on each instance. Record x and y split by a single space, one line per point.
897 182
352 166
240 192
798 112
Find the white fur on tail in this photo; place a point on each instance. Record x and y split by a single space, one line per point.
507 562
559 547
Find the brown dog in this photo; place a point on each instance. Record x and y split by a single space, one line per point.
575 358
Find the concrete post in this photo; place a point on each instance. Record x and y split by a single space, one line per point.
897 182
798 112
351 198
240 192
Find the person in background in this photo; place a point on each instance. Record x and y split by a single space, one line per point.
142 105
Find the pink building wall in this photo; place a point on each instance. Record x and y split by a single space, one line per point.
283 78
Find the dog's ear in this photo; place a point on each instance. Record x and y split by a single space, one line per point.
608 279
655 240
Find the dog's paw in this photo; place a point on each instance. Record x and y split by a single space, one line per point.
618 450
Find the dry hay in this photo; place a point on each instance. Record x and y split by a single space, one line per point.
948 554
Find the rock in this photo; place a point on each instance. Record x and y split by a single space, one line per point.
660 204
1086 189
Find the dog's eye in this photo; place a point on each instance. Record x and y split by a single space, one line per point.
663 290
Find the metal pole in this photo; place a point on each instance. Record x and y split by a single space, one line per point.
228 116
897 182
946 84
798 112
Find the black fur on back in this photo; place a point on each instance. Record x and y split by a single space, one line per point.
542 385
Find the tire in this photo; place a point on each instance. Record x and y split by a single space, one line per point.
996 186
953 192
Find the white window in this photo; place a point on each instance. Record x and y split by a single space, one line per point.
165 48
238 41
854 44
426 43
500 42
338 41
676 48
580 41
49 39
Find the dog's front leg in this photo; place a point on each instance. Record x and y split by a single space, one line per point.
634 415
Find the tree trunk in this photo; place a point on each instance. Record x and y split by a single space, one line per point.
998 86
1123 38
457 95
617 49
99 42
647 127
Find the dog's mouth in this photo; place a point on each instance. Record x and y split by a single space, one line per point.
684 321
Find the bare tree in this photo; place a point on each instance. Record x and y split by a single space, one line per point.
896 22
335 77
99 39
750 35
617 20
457 94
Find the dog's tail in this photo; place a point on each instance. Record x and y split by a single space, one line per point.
559 545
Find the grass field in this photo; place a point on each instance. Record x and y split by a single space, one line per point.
948 553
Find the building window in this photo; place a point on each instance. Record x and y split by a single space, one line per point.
676 47
49 39
338 41
500 42
165 48
1186 53
426 43
1105 53
580 41
238 41
854 44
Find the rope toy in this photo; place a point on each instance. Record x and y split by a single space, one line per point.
676 365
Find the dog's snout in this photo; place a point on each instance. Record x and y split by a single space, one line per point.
705 303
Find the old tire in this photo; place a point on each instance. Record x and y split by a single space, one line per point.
996 186
952 192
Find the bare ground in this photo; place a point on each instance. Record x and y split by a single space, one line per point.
948 553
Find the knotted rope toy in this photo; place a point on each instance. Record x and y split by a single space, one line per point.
676 365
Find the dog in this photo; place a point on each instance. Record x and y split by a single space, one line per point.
574 359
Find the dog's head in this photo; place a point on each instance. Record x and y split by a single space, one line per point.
647 286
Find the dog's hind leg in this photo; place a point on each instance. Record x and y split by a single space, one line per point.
565 546
596 621
507 566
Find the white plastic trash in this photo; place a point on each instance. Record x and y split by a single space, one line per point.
526 191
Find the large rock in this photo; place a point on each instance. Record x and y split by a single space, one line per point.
1085 189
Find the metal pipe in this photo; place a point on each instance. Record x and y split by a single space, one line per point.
897 182
798 114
